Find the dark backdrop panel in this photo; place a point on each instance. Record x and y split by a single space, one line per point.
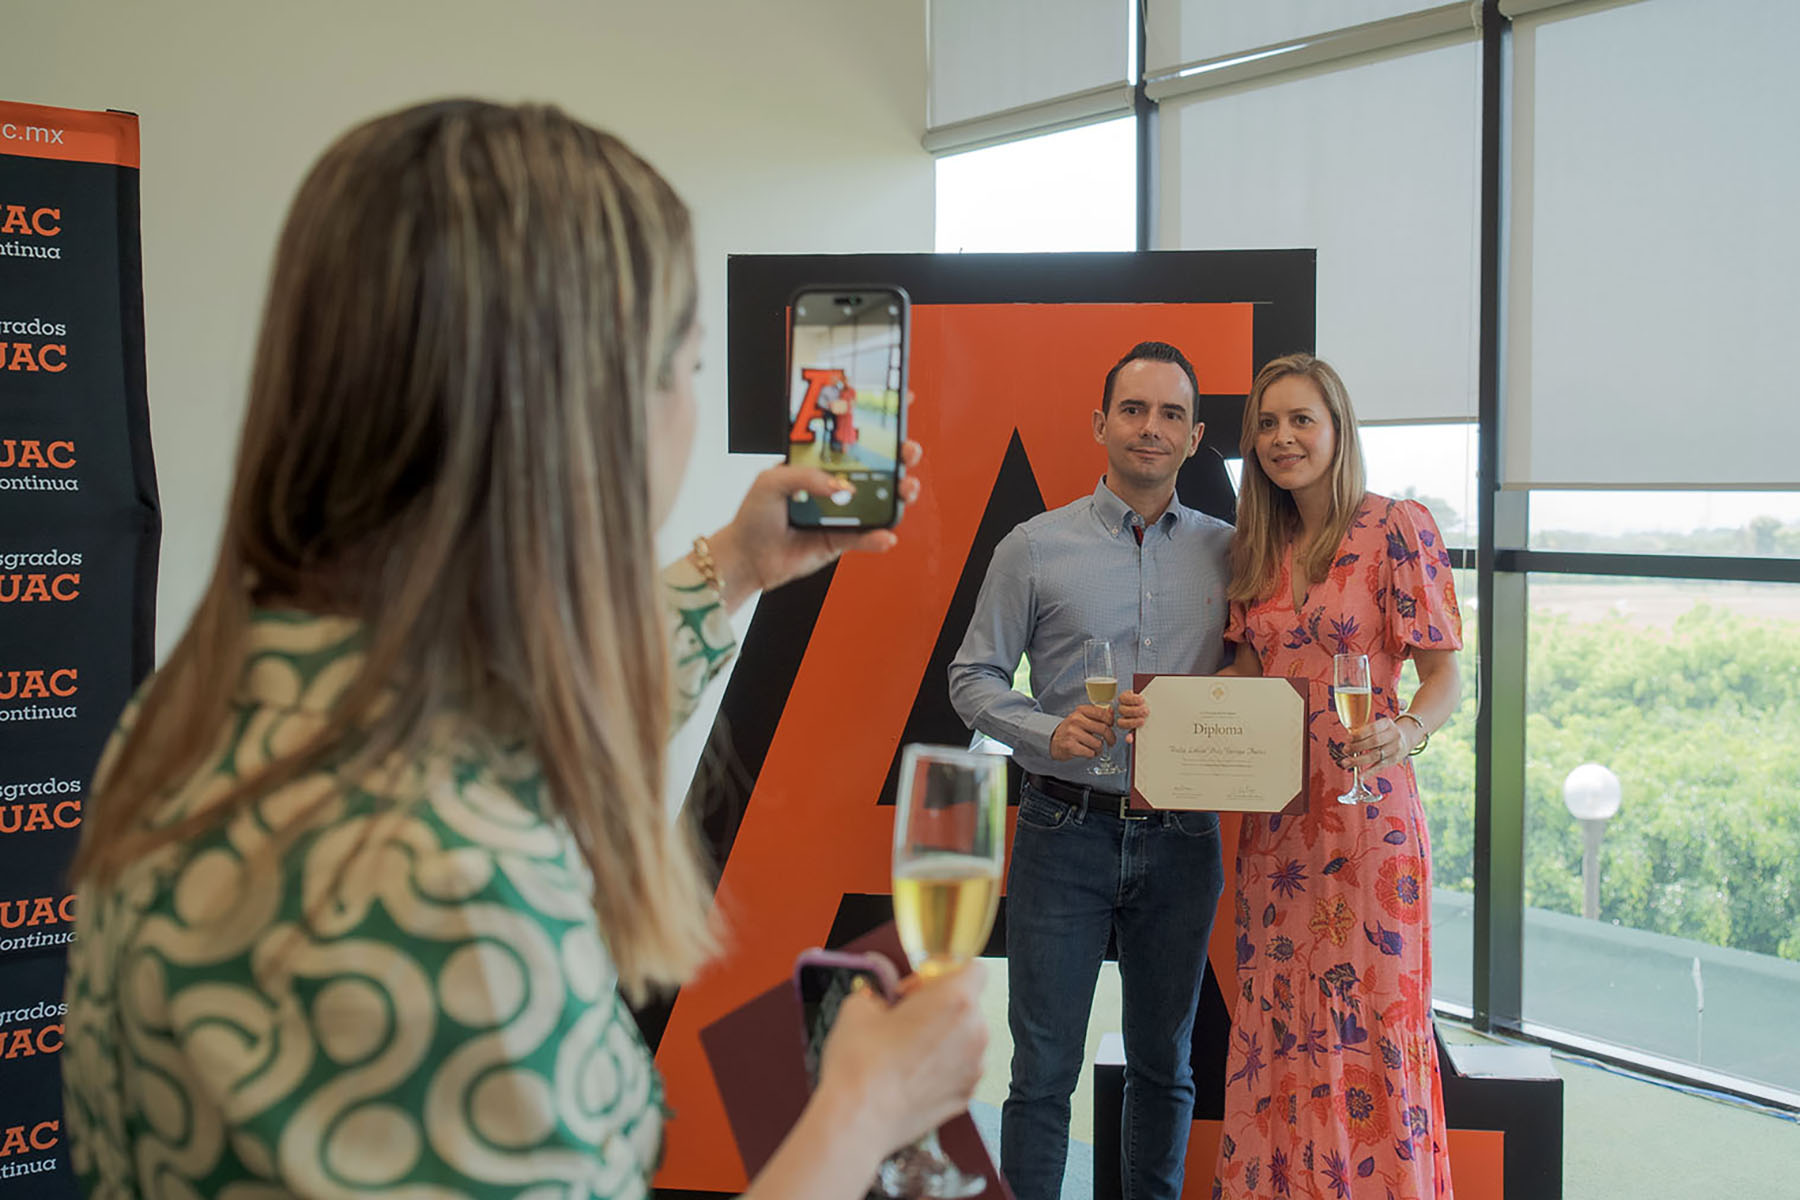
766 711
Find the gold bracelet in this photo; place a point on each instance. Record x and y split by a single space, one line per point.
709 570
1424 734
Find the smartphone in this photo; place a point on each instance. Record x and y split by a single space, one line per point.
846 387
824 978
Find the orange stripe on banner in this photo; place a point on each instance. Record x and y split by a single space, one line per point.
813 829
1478 1164
1202 1158
68 134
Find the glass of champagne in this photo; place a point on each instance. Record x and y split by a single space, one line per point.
1102 688
1355 703
949 846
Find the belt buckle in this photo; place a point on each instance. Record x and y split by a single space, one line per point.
1128 813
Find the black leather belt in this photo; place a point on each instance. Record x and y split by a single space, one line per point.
1090 799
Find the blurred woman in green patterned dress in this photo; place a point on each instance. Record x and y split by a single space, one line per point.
373 861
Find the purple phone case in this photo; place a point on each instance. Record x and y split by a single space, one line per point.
873 964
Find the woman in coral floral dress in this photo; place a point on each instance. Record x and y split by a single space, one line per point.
1332 1086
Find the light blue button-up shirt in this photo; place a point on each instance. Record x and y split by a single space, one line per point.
1078 573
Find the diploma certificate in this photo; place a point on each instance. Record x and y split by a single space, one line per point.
1221 744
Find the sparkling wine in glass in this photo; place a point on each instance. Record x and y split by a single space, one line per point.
1102 682
1355 702
949 846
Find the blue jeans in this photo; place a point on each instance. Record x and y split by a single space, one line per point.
1078 875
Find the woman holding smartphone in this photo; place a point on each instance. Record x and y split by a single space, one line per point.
374 860
1332 1084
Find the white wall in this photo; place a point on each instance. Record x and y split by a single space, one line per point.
789 126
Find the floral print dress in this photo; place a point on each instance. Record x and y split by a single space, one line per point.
1332 1086
407 994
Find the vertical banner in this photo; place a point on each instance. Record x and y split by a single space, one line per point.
79 531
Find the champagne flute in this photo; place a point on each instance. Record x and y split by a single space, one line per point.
949 845
1355 703
1102 683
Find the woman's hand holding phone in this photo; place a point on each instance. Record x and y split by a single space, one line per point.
759 550
905 1068
846 381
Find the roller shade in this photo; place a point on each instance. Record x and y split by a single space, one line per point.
1202 36
1002 69
1653 249
1375 165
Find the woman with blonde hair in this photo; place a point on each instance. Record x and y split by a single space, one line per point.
1332 1085
375 858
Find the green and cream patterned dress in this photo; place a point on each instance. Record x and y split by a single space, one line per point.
412 1001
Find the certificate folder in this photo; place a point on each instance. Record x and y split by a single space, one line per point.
1221 743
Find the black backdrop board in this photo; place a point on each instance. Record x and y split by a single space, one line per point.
79 531
798 820
1008 358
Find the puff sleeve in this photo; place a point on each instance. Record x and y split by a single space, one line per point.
1421 604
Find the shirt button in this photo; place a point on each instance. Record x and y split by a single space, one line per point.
1146 641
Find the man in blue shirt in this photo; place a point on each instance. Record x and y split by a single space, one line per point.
1132 565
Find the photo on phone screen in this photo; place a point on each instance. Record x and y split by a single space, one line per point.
846 402
825 981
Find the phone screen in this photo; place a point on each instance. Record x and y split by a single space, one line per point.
846 402
822 991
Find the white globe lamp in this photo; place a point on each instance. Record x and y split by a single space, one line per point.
1591 793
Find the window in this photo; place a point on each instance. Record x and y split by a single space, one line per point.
1446 775
1691 697
1434 464
1075 190
1728 524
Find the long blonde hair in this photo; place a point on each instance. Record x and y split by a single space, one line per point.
1267 518
447 437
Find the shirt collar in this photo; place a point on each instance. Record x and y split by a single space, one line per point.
1118 516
